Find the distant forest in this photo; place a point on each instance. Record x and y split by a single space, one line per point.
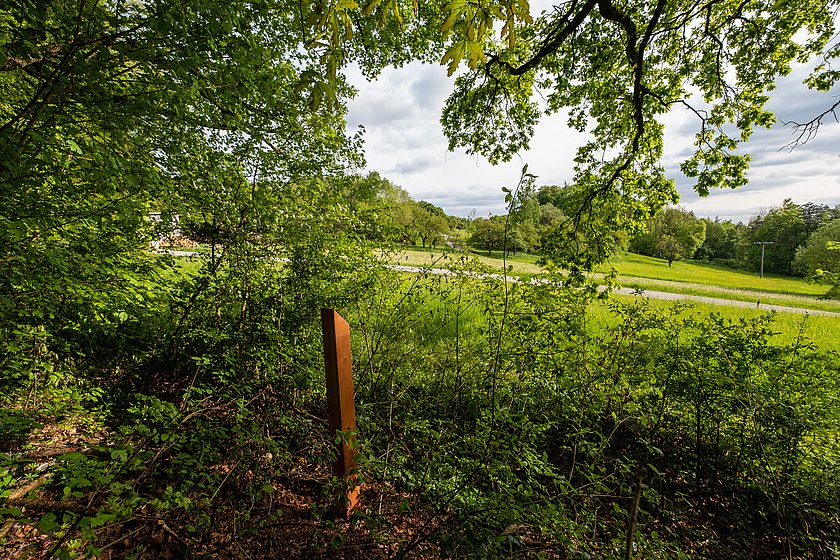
796 237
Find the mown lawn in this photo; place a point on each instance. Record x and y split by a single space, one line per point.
630 265
522 263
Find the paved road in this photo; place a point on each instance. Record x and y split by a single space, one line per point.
730 302
627 291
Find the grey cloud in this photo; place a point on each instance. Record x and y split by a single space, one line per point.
461 201
415 165
374 112
793 101
484 206
780 139
430 88
415 92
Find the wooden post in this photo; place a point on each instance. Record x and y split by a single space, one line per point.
342 411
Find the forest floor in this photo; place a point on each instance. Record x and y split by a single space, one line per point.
294 520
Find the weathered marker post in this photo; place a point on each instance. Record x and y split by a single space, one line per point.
340 400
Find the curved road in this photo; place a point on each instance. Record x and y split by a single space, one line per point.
647 293
627 291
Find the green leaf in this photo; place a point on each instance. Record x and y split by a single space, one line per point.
74 147
120 454
48 523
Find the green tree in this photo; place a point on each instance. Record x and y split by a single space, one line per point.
721 242
431 227
668 248
382 207
682 231
488 233
814 215
550 214
831 274
401 213
524 218
817 254
785 228
571 237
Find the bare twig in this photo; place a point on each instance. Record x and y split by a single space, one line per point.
808 130
634 512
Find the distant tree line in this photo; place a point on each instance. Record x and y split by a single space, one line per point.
799 237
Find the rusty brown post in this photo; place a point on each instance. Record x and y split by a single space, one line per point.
342 411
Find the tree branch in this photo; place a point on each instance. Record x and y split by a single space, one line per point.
808 130
557 38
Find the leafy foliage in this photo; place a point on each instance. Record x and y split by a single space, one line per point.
816 253
672 234
831 275
785 228
504 417
617 69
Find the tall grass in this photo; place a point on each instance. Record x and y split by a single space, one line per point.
821 331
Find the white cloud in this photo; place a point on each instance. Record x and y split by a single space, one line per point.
404 141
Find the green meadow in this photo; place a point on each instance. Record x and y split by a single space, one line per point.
684 277
819 330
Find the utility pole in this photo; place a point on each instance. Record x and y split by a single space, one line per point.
762 243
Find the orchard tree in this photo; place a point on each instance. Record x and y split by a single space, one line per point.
430 225
668 248
488 233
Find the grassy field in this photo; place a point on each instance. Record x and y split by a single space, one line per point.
631 265
523 263
704 279
647 273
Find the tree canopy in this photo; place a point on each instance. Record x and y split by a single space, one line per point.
672 234
617 68
112 110
785 228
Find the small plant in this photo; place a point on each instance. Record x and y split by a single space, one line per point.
15 426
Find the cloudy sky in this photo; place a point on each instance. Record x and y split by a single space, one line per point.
404 142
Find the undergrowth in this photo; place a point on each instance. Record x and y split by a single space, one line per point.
493 420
